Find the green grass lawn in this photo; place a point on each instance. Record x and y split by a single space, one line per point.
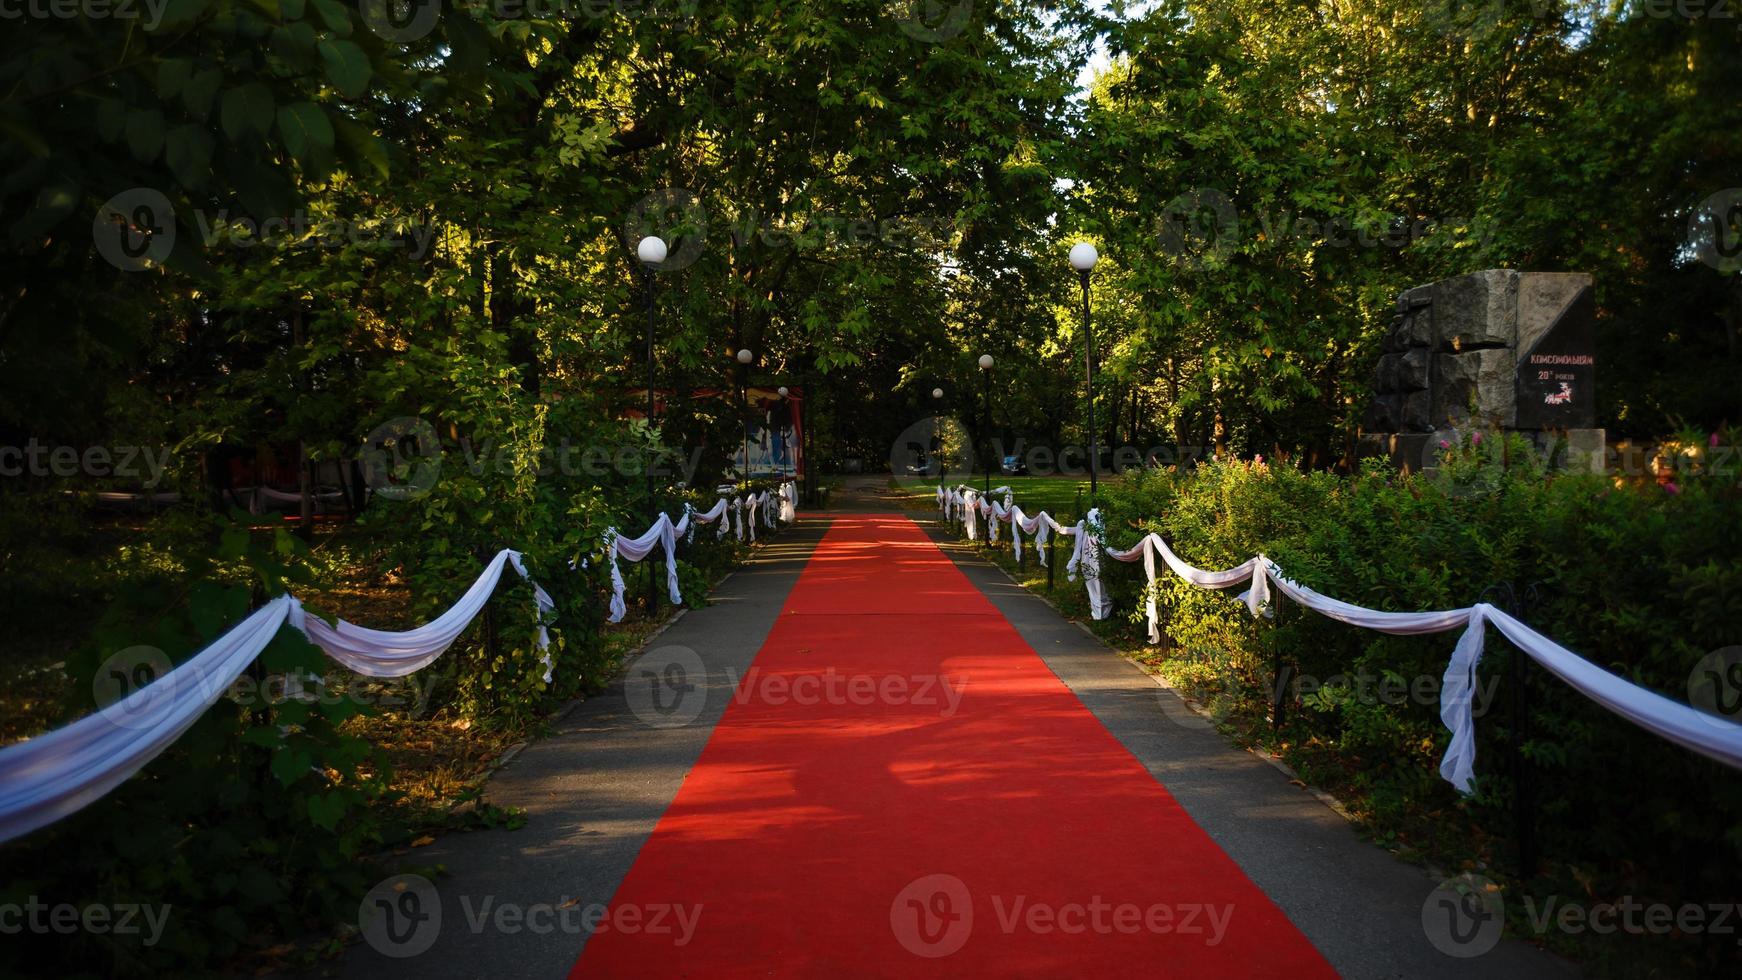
1057 495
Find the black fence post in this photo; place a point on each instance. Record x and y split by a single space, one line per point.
1281 673
1051 562
1518 674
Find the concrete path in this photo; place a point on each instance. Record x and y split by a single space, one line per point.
517 903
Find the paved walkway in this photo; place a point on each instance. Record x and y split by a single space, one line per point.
1117 793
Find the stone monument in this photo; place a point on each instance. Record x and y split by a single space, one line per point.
1492 349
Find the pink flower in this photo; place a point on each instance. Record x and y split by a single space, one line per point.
1476 439
1671 487
1444 444
1258 459
1713 441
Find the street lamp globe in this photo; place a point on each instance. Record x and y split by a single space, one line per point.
782 390
937 393
651 250
985 362
744 356
1084 256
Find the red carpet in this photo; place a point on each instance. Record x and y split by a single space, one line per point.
862 823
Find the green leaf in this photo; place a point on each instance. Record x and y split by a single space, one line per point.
265 736
172 74
27 137
247 109
199 92
259 885
347 67
188 151
295 43
290 765
335 16
325 811
292 9
144 132
177 13
306 131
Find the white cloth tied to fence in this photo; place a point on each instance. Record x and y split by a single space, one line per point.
1086 559
971 513
686 528
789 502
384 653
663 535
1698 731
1037 527
60 772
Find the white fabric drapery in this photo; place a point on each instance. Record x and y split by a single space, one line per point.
384 653
58 773
686 528
61 772
1709 735
1086 559
661 535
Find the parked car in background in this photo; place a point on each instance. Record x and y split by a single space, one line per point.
1014 466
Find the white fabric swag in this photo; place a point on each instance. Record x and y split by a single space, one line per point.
662 535
58 773
1707 734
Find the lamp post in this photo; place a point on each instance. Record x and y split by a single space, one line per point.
651 251
786 450
986 372
744 359
937 441
1083 259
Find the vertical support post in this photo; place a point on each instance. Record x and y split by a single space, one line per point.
1280 673
1089 375
1523 802
1051 562
987 486
652 503
1523 787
